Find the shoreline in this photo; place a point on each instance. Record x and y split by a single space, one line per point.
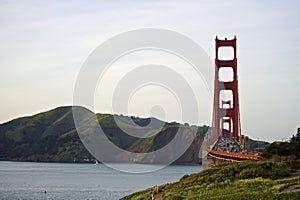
81 162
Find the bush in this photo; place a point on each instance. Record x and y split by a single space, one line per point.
184 177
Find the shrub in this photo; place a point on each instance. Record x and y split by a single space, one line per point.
184 177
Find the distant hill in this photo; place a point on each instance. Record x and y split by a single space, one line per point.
259 146
51 136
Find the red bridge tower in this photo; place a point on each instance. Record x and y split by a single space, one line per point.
226 112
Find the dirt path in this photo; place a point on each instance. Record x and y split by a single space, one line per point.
158 196
292 188
296 174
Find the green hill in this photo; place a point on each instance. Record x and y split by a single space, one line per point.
259 146
245 180
52 136
47 136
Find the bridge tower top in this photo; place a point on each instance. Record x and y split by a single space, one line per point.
226 111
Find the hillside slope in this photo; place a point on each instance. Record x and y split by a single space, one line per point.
52 136
245 180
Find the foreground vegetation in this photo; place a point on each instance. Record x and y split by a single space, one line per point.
245 180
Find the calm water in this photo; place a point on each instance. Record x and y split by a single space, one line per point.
25 180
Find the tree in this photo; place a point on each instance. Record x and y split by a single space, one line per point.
291 148
295 144
271 150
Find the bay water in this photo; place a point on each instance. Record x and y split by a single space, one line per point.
30 180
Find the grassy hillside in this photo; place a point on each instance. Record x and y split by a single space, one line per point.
46 136
245 180
51 136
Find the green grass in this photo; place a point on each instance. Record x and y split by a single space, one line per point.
246 180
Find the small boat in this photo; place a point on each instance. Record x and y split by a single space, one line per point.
96 163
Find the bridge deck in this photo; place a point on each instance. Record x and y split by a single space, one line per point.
232 156
230 150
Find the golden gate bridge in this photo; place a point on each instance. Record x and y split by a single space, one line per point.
230 145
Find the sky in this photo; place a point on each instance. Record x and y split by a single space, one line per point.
45 43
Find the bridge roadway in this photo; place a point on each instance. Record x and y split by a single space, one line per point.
230 150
